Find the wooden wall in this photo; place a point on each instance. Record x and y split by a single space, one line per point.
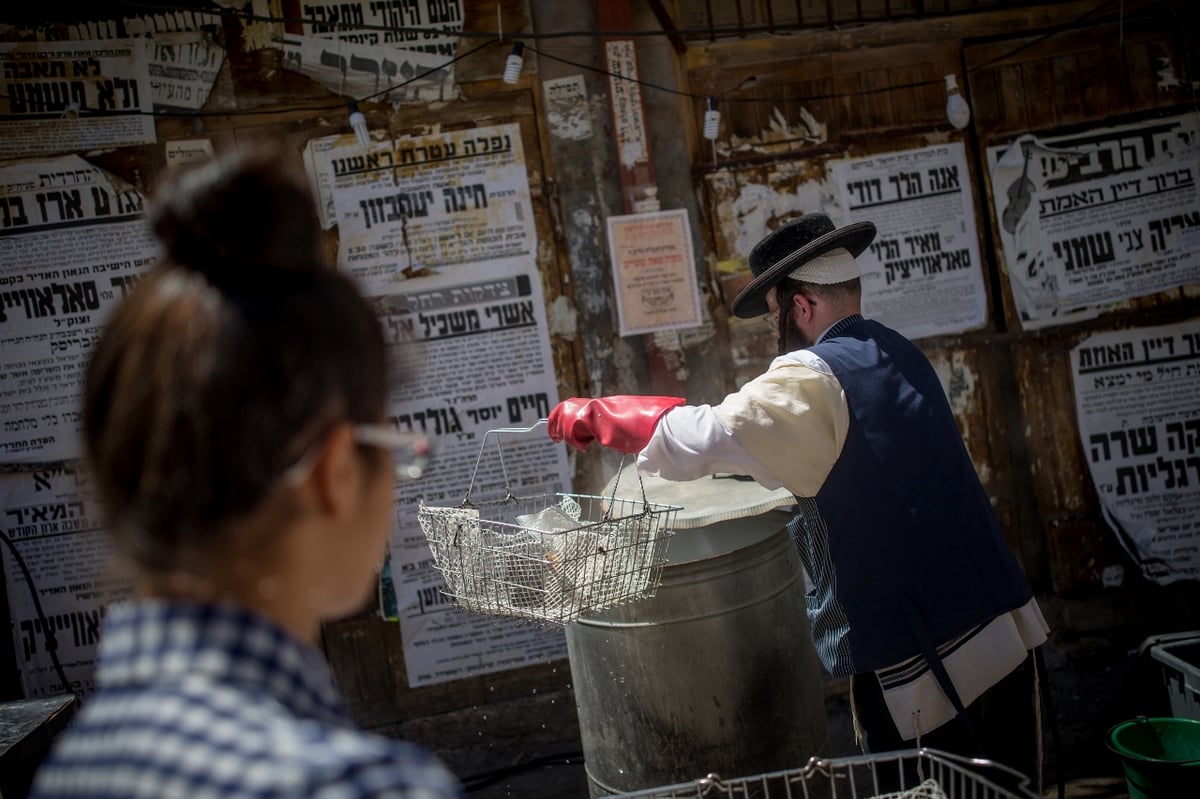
877 88
873 88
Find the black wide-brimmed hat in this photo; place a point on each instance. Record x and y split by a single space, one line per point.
793 245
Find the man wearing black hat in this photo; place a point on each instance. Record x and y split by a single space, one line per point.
917 596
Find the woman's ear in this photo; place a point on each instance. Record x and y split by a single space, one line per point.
335 471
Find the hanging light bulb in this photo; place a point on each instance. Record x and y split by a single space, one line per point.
712 120
512 67
358 123
957 110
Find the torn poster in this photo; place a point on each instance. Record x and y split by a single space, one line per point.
422 203
439 231
55 522
1137 401
72 241
183 68
1096 218
59 97
364 49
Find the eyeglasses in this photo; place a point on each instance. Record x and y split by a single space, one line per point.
410 451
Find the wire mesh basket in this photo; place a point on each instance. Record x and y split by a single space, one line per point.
905 774
548 557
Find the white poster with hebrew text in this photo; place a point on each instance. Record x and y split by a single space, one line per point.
922 275
1098 217
1137 399
439 231
72 243
54 522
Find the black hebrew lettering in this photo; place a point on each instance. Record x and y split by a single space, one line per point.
46 97
907 184
29 70
1161 228
367 65
943 178
886 249
866 191
1106 355
512 314
1084 251
518 406
69 205
1156 347
484 414
444 11
431 597
926 265
1183 436
457 198
1175 471
1131 240
334 60
1135 479
13 212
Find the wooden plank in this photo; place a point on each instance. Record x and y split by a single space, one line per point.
1041 110
1068 93
987 25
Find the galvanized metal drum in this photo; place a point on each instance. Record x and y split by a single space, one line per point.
716 672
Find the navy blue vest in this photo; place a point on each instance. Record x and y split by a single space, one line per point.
917 557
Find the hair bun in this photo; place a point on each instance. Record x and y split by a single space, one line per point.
238 211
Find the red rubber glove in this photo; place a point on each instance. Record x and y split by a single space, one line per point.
624 422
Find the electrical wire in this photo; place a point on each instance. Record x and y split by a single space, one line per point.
494 38
292 109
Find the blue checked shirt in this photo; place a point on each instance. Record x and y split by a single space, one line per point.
204 701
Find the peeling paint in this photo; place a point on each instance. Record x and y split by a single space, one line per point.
781 136
757 205
959 383
1166 75
568 114
591 292
561 318
622 360
670 349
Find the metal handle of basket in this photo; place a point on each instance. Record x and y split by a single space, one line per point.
500 452
504 470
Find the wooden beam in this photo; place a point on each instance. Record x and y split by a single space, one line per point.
982 25
668 25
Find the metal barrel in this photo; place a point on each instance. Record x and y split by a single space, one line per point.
714 674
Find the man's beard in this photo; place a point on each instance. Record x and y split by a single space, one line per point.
790 337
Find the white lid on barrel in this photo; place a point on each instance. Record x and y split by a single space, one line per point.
707 501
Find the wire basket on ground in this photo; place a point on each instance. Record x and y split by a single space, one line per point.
905 774
550 557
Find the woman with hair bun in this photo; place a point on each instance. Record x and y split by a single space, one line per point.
234 421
